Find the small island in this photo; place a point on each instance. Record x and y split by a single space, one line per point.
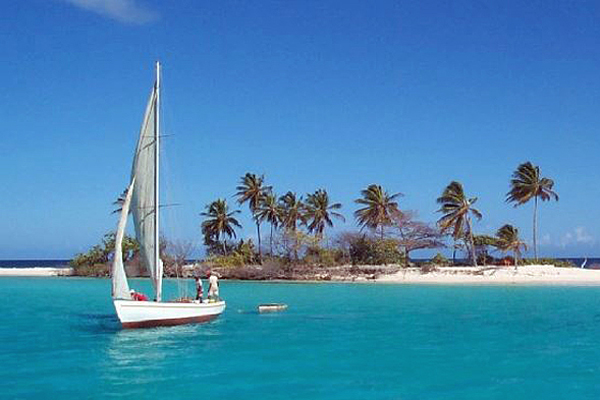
297 247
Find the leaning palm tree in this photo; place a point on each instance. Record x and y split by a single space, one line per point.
219 222
379 209
527 184
269 210
292 210
251 190
457 210
508 240
319 212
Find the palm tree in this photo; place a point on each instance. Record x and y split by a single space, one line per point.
251 190
527 184
292 209
269 210
219 222
457 208
508 240
319 212
379 209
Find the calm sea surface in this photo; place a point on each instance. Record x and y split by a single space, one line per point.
60 339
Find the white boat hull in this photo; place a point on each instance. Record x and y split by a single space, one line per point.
146 314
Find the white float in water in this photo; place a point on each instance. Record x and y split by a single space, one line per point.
271 307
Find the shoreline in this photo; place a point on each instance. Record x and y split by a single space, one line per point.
483 275
36 271
494 275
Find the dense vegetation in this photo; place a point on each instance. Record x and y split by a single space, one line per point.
298 227
387 234
95 261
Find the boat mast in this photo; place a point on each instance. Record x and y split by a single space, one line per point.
158 265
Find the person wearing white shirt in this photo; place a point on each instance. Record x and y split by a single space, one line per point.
213 286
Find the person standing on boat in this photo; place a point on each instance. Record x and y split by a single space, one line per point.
213 286
199 289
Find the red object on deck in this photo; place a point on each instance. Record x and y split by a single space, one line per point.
140 297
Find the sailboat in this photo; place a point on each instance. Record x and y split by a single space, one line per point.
142 200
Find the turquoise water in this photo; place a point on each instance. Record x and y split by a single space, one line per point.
60 339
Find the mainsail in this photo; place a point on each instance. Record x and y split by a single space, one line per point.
145 198
120 287
142 200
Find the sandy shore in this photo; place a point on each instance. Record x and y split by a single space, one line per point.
39 271
531 274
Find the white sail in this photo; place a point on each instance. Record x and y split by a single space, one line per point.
144 203
120 286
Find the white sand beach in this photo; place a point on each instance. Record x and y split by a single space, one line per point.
531 274
38 271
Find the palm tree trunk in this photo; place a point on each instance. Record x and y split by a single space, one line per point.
295 243
382 232
454 253
259 249
472 242
271 241
222 244
535 228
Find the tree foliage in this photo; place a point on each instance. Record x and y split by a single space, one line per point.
457 209
319 212
101 254
415 235
243 253
527 184
251 190
292 210
380 208
270 210
219 222
508 240
366 250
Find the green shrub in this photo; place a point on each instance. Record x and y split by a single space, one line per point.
439 259
369 251
247 251
88 264
243 254
320 256
230 260
95 270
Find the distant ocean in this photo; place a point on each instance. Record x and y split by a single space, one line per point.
65 263
34 263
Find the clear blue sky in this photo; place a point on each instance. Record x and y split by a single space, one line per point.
313 94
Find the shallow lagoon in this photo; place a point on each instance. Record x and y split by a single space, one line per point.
336 341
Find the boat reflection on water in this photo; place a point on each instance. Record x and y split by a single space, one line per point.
135 357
